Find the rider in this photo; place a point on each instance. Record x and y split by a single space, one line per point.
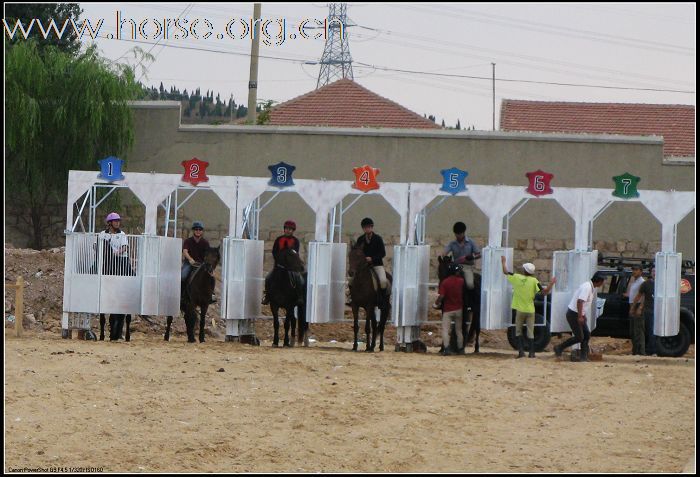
193 250
116 263
285 241
373 247
464 252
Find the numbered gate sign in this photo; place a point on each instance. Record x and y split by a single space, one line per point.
365 178
281 174
539 182
626 186
454 180
111 169
195 171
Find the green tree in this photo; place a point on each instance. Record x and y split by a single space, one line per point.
67 112
44 13
264 115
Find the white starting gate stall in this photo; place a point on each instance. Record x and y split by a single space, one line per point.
142 278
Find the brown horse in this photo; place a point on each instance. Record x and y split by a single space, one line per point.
365 295
198 290
472 301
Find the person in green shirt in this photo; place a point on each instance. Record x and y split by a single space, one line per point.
525 287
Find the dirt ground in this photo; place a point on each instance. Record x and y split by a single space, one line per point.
152 406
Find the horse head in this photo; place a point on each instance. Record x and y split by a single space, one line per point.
290 260
443 264
356 258
212 257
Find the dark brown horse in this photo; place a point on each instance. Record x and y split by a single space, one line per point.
288 291
472 301
198 290
365 295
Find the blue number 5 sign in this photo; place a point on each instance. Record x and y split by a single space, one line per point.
454 180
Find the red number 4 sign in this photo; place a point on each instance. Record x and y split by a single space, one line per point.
195 171
539 182
365 178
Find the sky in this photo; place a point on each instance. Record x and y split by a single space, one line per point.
646 47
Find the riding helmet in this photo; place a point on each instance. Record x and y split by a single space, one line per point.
367 221
112 216
290 224
453 268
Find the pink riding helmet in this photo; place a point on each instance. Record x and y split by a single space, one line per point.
112 216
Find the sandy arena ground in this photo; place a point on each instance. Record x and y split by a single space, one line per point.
152 406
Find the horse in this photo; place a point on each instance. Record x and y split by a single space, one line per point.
472 300
287 284
364 295
198 289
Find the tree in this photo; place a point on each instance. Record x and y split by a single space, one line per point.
67 112
458 126
443 123
44 13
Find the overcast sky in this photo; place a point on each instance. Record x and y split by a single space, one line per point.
623 45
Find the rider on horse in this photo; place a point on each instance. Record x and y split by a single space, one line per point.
193 250
285 241
464 252
373 247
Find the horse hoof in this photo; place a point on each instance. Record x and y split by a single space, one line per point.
166 338
381 348
192 341
275 345
369 350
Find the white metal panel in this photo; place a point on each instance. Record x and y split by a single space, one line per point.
411 265
242 275
169 273
667 294
325 290
496 291
572 268
81 284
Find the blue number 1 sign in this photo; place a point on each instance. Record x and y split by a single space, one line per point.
111 169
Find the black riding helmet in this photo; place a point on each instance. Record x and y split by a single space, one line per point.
366 221
453 268
459 227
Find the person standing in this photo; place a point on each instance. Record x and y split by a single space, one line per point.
464 252
646 292
525 287
450 296
635 307
576 316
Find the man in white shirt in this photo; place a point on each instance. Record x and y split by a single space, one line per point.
636 319
576 316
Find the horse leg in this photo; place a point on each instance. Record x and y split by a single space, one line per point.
476 319
202 320
275 325
102 326
355 325
190 318
167 329
374 332
368 327
303 327
128 330
287 322
382 325
111 327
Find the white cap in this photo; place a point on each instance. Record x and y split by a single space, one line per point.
529 268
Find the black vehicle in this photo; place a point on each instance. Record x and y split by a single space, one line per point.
614 321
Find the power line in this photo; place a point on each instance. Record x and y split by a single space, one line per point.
523 81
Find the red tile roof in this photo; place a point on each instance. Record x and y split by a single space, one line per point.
675 122
345 103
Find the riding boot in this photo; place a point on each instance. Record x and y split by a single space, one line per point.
531 342
521 350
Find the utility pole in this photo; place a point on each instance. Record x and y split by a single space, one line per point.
493 69
254 54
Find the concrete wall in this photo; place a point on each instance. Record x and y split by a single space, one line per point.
161 144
